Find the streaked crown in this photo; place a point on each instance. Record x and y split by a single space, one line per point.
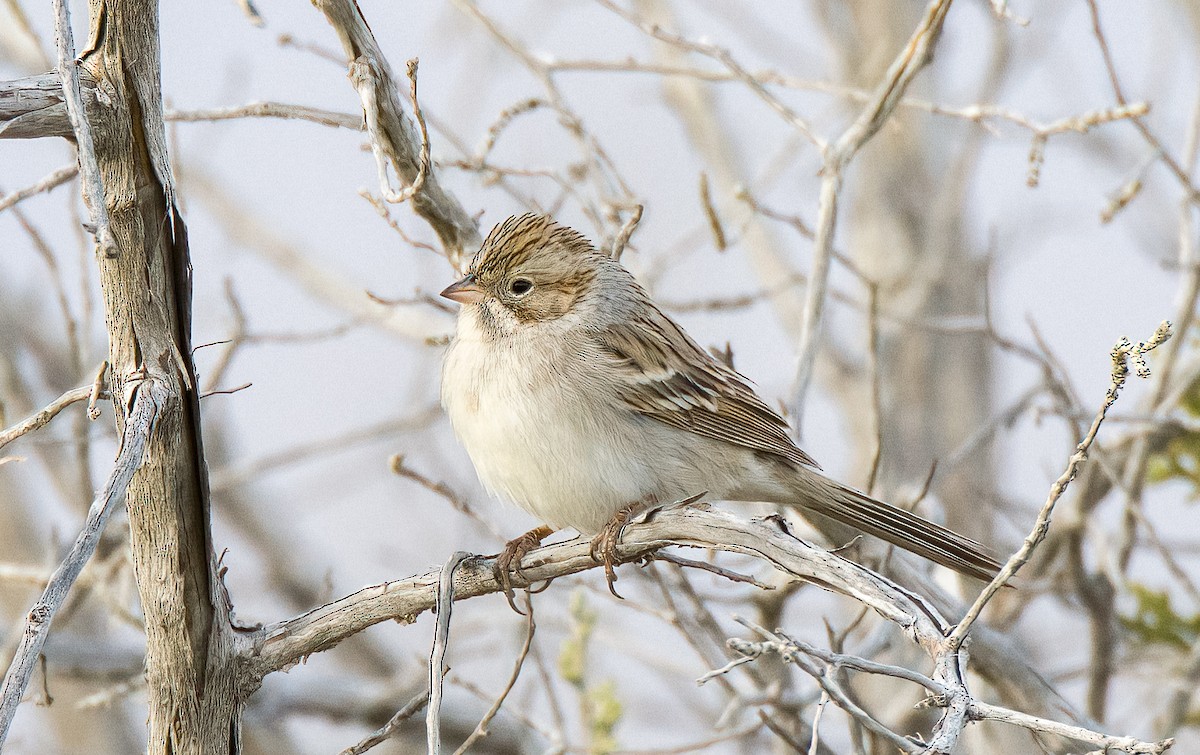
521 239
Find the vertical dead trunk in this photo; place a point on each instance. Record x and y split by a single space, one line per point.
147 289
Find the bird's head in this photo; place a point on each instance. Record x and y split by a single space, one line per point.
529 270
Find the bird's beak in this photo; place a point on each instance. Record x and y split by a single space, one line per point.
465 291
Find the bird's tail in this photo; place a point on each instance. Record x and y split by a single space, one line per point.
896 526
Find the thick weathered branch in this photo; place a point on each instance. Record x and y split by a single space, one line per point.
34 106
279 646
397 137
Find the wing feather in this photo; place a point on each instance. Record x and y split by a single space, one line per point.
674 381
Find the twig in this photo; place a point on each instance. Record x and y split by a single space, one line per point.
875 377
227 479
725 58
57 178
1188 293
82 393
813 746
112 693
93 410
1103 742
1173 165
397 465
842 660
148 399
777 729
281 110
950 696
1001 10
618 247
500 124
481 729
252 14
225 391
516 714
384 212
89 168
1122 354
312 48
717 569
437 657
710 213
47 698
601 169
710 675
828 684
385 732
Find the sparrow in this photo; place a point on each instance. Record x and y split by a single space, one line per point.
581 401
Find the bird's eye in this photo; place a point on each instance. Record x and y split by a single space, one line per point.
521 286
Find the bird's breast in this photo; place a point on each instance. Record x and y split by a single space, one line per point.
540 431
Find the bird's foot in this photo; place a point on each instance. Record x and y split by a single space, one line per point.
604 544
508 561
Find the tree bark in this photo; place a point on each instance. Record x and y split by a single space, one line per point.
147 291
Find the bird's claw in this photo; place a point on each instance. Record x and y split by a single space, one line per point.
508 561
604 544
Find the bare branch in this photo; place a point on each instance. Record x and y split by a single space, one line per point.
951 697
1185 180
32 107
726 59
148 398
362 77
89 168
618 247
915 56
829 685
1103 742
441 642
82 393
280 110
385 732
1122 354
57 178
397 137
285 643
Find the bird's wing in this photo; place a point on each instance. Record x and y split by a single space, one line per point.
671 379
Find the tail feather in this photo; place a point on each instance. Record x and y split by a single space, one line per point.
900 528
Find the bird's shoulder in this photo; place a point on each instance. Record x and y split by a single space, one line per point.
668 377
